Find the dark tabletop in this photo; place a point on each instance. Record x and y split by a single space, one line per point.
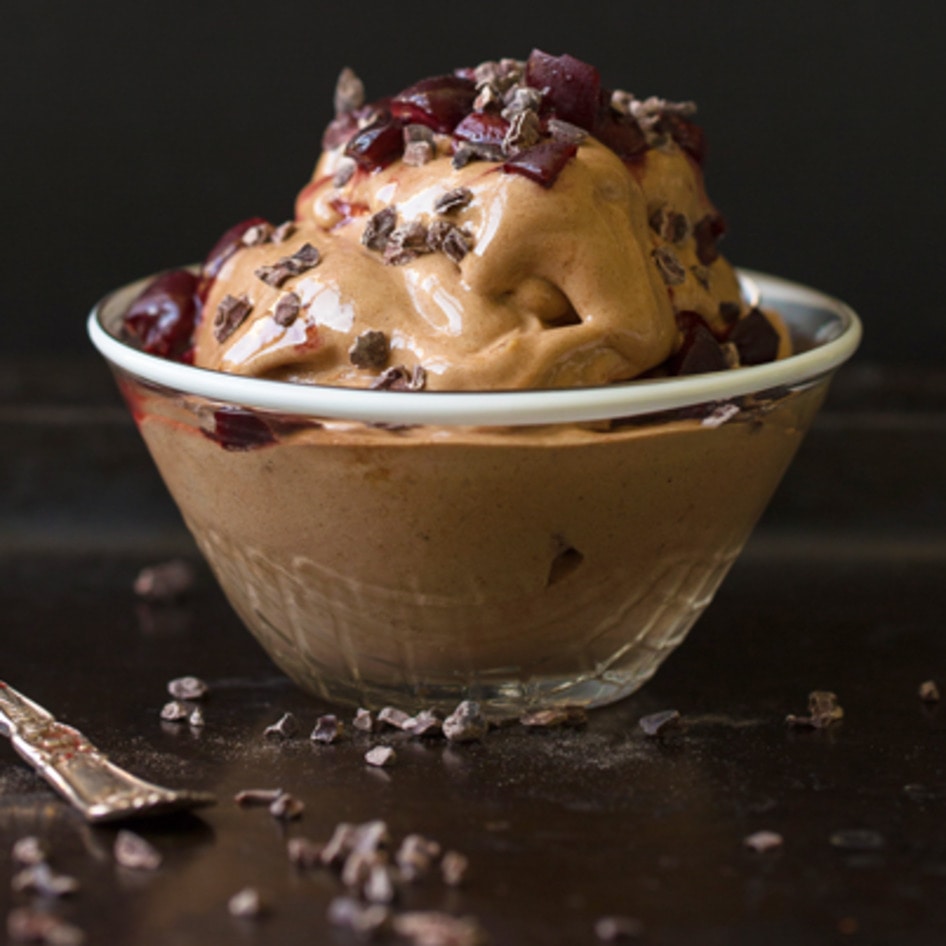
842 588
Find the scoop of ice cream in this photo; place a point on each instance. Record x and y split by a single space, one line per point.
512 226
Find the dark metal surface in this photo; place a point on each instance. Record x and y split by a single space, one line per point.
842 589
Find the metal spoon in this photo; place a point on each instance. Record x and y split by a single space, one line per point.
80 772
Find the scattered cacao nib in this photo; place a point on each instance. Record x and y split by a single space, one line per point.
305 258
672 226
453 200
701 275
287 309
437 233
525 130
466 723
165 581
755 339
285 727
29 851
928 691
41 879
418 153
729 312
393 717
381 756
425 723
489 98
363 721
707 233
656 724
379 884
432 928
340 845
415 856
399 378
857 839
614 929
232 312
286 807
358 866
175 711
246 903
519 99
196 718
256 234
187 688
455 244
363 919
26 925
250 797
328 729
406 243
283 231
763 841
555 717
566 132
349 92
370 350
671 269
344 172
304 853
379 228
823 711
133 851
453 868
469 151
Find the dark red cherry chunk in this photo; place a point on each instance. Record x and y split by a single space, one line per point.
620 133
439 102
707 233
688 135
378 144
344 125
222 250
482 128
161 320
573 87
543 162
236 429
755 339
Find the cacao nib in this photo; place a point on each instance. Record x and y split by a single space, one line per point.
707 233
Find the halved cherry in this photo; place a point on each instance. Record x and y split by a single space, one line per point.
439 102
482 128
237 429
620 133
378 144
573 87
161 319
688 135
543 162
222 250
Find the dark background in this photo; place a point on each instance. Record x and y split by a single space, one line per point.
134 133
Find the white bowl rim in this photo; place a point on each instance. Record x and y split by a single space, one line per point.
504 408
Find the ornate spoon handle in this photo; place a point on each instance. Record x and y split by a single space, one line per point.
80 772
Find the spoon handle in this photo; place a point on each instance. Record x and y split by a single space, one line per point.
79 771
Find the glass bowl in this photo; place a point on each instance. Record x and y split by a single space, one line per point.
524 549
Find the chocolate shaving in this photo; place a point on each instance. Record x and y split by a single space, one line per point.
763 841
304 853
286 807
380 756
250 797
304 259
369 350
363 721
393 717
175 711
231 314
415 856
284 728
133 851
287 309
379 228
669 265
379 884
349 92
425 723
755 339
452 200
398 378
